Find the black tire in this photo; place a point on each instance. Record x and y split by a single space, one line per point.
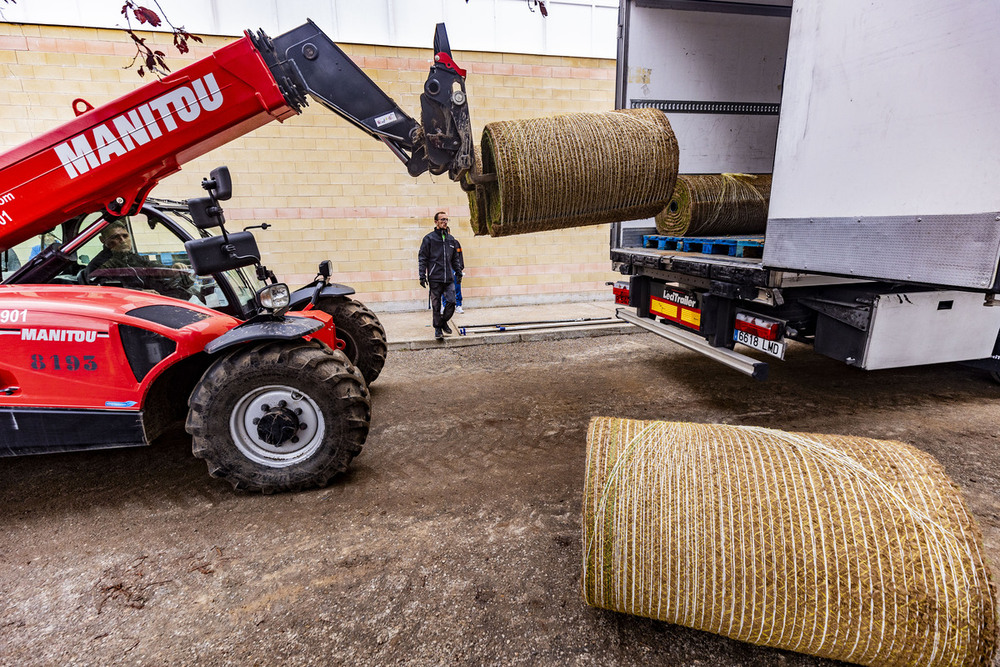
312 413
360 329
996 376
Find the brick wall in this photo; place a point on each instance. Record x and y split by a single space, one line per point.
329 190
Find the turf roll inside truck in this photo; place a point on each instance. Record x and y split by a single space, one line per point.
121 314
879 123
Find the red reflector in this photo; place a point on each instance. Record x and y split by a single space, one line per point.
766 329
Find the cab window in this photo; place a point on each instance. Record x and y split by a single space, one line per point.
137 252
12 259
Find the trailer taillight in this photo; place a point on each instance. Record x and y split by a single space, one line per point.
766 329
621 290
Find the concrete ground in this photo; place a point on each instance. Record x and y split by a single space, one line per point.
454 538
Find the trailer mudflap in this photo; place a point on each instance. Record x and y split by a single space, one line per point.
748 366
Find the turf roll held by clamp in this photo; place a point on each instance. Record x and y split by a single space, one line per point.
716 205
575 170
841 547
477 198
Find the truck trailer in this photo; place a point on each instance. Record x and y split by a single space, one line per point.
878 124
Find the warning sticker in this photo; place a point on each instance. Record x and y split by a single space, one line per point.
390 117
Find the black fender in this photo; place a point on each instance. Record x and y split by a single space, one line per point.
288 328
302 296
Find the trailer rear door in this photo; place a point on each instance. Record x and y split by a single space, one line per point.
888 148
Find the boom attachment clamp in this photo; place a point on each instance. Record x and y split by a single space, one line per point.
304 61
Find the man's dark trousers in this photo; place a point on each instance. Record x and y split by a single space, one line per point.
447 290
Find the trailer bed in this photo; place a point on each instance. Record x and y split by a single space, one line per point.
699 268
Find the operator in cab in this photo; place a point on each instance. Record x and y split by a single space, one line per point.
117 252
118 264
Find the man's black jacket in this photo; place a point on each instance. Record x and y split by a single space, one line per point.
438 258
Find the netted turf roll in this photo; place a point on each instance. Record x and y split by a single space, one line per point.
477 211
842 547
477 198
577 169
716 205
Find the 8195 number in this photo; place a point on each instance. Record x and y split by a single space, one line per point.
57 363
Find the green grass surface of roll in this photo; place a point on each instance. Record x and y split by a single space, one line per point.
477 198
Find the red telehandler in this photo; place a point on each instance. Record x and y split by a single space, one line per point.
271 383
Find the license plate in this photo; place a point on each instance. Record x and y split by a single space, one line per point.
773 347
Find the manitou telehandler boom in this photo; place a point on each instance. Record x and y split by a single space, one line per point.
106 332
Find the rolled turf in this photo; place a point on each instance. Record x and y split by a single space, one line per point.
575 170
842 547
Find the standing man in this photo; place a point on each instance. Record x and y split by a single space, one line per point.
438 264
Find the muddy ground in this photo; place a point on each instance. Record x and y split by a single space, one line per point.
456 537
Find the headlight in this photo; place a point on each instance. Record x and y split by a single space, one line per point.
274 297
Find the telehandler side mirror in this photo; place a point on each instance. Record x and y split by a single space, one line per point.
222 253
219 184
206 212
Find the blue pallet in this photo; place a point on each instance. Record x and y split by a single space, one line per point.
720 246
661 242
750 248
731 246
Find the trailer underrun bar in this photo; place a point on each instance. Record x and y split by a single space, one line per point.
756 369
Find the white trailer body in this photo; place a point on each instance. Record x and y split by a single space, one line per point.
879 123
888 150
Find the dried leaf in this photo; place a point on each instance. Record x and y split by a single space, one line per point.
146 15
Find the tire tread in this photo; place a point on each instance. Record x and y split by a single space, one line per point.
330 369
365 327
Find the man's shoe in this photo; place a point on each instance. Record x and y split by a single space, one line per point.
438 334
446 329
458 309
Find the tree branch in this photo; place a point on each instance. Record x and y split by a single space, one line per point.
152 60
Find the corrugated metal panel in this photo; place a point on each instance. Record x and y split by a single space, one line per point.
888 116
954 250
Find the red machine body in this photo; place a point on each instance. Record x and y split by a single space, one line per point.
97 354
111 157
63 345
125 147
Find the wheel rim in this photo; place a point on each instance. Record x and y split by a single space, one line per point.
350 347
277 426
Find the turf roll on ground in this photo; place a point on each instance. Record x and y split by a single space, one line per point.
842 547
577 169
716 205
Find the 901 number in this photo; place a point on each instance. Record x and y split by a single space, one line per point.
68 363
13 316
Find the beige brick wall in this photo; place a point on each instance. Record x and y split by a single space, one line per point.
330 190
